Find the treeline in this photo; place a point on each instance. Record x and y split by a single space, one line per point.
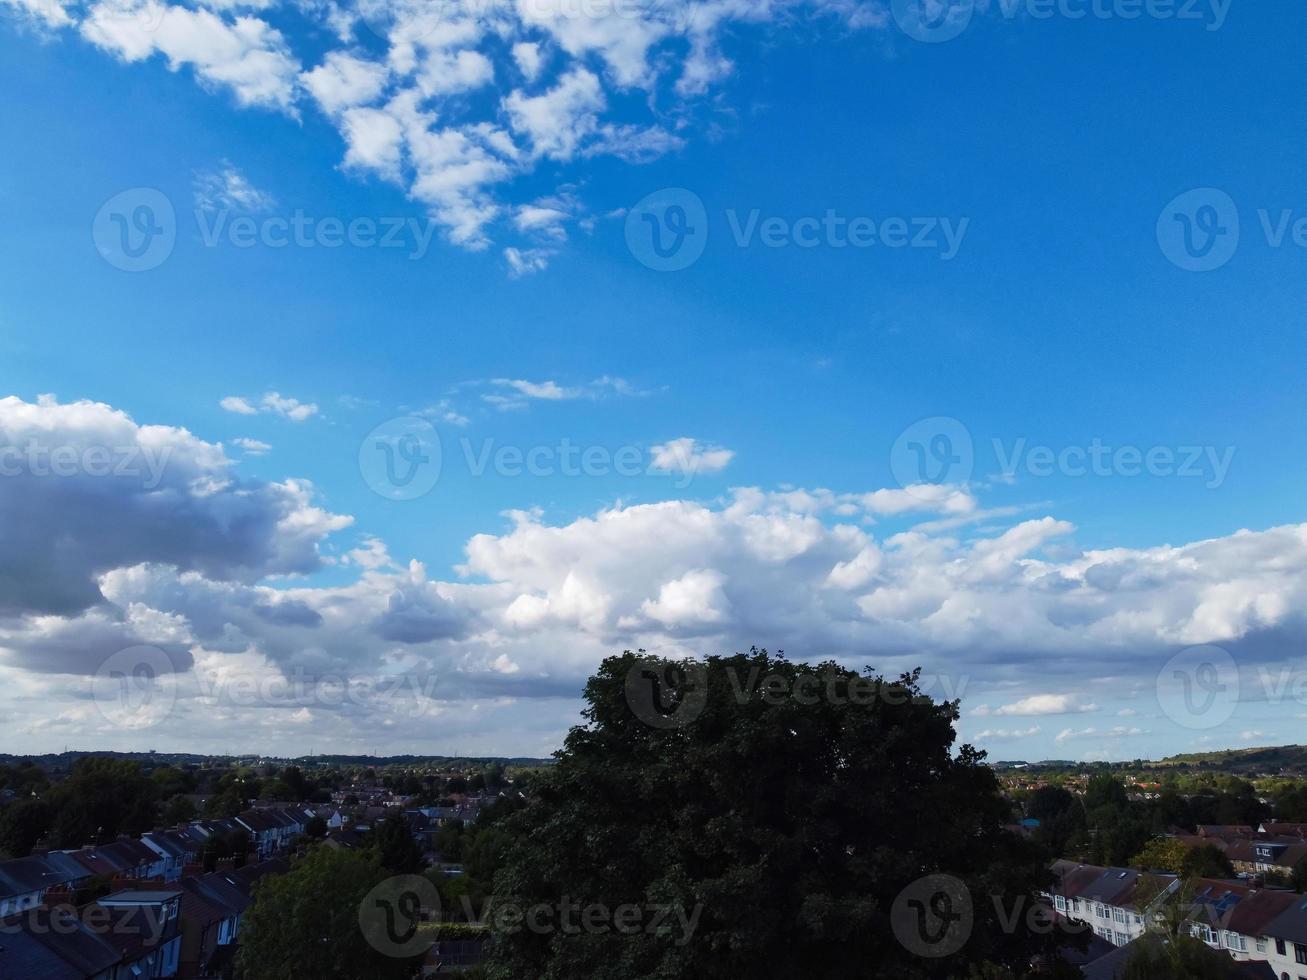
1106 826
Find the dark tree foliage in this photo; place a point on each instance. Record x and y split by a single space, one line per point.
789 828
305 925
1178 958
101 798
393 843
1300 875
316 828
22 824
1206 861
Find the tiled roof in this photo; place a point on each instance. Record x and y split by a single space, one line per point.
35 873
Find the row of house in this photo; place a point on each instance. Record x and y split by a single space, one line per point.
143 929
1271 850
1250 924
159 855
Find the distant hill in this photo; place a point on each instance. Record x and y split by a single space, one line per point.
1291 760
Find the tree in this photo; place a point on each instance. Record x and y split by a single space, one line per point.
22 824
393 843
179 809
101 798
1291 804
784 829
1300 875
305 925
1161 854
1182 958
1206 861
316 828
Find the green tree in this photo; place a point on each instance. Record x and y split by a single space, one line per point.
305 925
1300 875
393 843
179 809
1161 854
101 798
1206 861
22 824
784 828
316 828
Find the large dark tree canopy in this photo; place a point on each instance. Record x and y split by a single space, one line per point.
780 818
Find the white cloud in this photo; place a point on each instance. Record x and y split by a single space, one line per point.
1047 704
524 262
688 458
344 81
1119 732
253 447
272 403
558 121
1004 735
238 405
244 54
529 59
226 188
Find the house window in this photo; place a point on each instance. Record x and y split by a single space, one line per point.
1122 939
1235 941
1119 915
1279 948
1060 902
1300 952
1261 945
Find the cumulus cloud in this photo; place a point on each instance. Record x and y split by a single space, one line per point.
120 493
688 458
274 403
462 99
159 542
1046 704
1006 735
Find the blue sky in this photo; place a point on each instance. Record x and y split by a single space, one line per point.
764 390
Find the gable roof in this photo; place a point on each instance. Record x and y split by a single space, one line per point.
34 873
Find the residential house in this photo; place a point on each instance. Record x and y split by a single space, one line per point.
144 926
24 881
1115 902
